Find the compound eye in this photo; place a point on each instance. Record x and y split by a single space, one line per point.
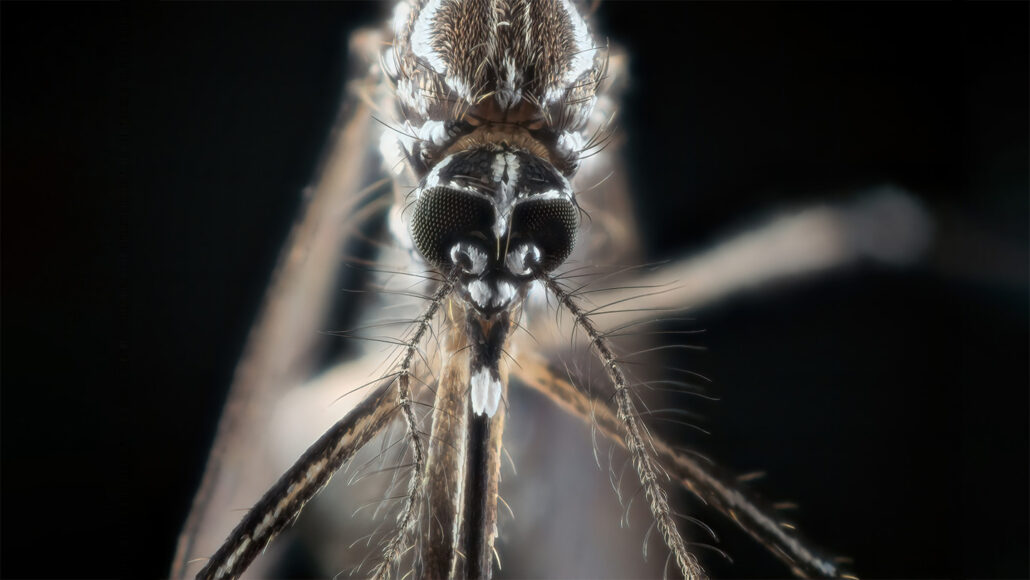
550 225
443 217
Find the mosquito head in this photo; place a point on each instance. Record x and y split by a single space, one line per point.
501 215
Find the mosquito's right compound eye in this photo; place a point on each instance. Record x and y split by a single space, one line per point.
550 225
444 217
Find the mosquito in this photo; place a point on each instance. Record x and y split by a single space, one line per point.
508 230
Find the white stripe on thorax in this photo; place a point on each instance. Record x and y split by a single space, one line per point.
422 37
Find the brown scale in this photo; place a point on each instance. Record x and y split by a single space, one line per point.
520 127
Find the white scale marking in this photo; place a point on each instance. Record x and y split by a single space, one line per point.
232 558
412 96
433 131
478 258
480 293
422 47
475 255
516 259
486 393
505 292
421 37
266 523
506 174
433 179
549 194
459 86
570 144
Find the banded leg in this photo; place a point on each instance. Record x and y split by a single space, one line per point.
283 502
409 513
282 347
705 481
637 440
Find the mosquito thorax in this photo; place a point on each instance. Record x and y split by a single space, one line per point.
498 216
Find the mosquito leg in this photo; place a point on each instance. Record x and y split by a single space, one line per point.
705 481
409 512
283 502
636 439
886 225
445 463
279 351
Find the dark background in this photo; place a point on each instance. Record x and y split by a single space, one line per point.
152 161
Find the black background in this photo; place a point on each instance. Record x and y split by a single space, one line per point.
152 160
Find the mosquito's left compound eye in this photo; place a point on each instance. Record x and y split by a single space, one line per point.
551 226
444 217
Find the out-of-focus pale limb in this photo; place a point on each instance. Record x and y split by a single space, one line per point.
885 225
282 346
608 234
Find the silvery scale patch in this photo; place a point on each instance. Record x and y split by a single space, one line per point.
495 98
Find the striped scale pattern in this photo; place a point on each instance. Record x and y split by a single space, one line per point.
530 62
